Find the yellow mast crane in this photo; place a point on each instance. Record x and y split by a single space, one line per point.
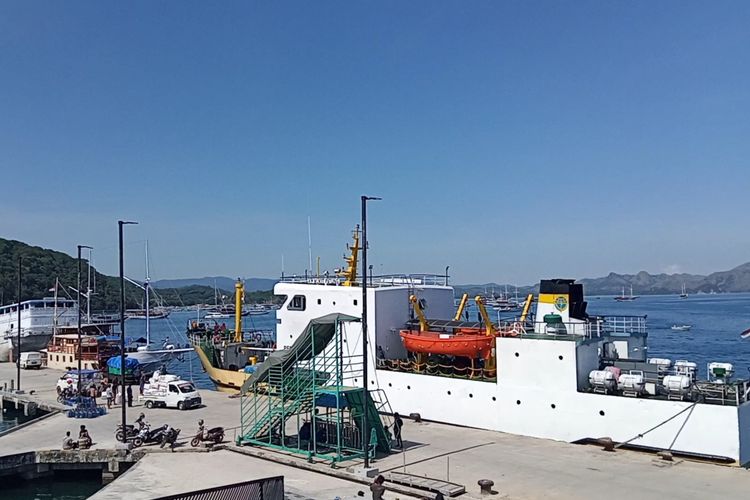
461 307
350 273
489 327
423 326
526 308
239 299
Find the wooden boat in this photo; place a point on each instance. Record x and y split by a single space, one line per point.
469 345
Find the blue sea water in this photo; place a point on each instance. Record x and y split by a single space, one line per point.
174 327
716 320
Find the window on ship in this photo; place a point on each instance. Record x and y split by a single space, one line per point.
297 303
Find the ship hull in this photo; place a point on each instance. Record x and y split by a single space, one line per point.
226 379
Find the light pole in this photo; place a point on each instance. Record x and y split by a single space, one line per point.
365 433
121 223
78 289
446 274
18 332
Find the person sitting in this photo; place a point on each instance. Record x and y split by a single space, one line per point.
84 439
141 421
68 443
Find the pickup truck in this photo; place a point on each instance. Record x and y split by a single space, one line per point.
179 394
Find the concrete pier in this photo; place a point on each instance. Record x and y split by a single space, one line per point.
519 467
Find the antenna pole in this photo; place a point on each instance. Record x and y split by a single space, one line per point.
309 244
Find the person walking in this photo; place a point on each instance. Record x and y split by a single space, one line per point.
142 383
397 425
377 488
130 396
108 396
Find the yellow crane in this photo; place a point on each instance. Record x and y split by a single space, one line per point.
461 307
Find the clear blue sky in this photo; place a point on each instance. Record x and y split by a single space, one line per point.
509 140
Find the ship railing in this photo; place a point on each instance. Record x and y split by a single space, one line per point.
593 327
624 326
376 281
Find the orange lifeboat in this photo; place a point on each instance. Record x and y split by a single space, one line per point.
468 345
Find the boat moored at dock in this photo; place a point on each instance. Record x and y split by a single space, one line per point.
541 382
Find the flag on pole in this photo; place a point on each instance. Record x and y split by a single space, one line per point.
51 289
745 334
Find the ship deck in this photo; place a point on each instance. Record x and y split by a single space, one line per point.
521 467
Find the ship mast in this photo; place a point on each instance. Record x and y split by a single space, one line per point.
239 298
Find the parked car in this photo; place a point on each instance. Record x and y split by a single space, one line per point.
31 359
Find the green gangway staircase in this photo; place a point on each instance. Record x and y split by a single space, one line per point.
289 389
361 401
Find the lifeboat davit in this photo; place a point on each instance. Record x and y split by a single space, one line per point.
468 345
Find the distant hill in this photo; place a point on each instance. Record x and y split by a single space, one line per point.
221 282
40 267
734 280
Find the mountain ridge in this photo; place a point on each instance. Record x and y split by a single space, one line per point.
733 280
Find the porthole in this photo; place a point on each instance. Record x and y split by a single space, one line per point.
320 301
449 393
334 302
517 354
355 380
601 412
471 395
408 387
560 357
518 401
372 382
390 385
553 406
355 302
494 398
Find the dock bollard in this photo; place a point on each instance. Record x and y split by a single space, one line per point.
485 486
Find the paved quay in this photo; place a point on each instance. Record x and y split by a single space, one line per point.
521 467
161 474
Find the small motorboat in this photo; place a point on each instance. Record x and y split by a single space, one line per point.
681 328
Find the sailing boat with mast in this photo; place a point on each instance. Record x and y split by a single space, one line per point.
684 294
626 298
141 350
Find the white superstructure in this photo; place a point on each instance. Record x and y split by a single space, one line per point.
39 318
542 385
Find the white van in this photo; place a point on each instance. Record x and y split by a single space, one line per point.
32 359
170 391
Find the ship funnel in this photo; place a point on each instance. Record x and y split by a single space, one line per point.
562 297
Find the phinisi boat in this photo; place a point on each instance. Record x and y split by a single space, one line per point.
562 374
229 356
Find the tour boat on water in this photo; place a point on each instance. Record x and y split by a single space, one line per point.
626 298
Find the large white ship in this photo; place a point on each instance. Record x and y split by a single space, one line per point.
39 318
557 373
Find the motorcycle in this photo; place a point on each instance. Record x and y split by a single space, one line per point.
170 438
215 435
149 436
130 432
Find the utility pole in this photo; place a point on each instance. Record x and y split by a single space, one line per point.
123 404
18 354
78 289
365 359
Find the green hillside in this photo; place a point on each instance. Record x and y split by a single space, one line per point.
40 267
